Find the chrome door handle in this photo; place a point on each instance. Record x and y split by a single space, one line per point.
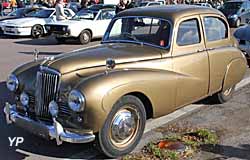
209 49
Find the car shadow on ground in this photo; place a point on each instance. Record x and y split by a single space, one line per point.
36 147
42 53
228 151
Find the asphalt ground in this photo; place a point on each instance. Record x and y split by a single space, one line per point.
15 51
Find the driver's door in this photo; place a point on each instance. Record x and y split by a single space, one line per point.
102 21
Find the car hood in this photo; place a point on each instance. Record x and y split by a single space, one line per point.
22 21
96 56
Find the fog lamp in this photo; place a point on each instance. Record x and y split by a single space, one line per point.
53 108
24 98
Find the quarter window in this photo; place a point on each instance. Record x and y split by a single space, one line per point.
215 29
188 33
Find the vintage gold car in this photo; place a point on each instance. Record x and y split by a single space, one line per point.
151 62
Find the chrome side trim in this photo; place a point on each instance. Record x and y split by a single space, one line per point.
55 131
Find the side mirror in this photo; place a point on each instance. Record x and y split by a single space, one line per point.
243 10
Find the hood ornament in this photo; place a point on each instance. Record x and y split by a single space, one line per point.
36 53
110 64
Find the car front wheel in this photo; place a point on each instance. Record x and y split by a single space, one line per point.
37 31
85 37
123 127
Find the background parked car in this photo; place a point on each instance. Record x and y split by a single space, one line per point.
149 3
74 6
33 24
204 4
242 34
87 24
237 12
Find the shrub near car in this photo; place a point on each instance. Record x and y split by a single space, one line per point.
152 61
85 25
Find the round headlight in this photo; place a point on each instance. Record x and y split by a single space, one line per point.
64 29
12 83
53 108
76 101
24 98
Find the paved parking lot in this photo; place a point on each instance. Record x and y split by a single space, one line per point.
17 51
13 53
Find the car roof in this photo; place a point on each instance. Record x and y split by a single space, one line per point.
232 1
169 12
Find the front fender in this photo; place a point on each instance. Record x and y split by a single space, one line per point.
103 90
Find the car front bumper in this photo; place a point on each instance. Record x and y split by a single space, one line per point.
17 31
55 131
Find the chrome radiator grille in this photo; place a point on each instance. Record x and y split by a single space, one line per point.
47 90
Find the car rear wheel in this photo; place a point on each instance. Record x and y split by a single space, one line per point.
37 31
123 127
85 37
224 96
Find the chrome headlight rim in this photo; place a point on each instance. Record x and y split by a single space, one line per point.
76 101
12 82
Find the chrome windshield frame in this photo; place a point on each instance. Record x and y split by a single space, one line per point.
135 42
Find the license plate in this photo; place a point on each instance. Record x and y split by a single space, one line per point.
8 29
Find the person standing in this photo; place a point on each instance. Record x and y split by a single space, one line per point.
130 4
60 15
1 8
121 6
13 5
84 4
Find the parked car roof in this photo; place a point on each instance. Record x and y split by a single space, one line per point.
102 6
170 12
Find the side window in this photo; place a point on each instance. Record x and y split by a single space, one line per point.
106 15
188 33
215 29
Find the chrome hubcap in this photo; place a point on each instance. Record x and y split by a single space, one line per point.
85 37
124 126
37 31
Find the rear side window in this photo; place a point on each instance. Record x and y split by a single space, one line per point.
215 29
188 33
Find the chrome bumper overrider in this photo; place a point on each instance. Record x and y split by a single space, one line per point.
55 131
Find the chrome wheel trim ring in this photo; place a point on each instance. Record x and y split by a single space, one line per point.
85 37
227 92
124 127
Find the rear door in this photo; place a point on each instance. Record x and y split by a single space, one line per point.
190 60
219 47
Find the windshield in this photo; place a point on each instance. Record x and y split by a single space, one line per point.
43 13
140 30
85 14
18 13
232 5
